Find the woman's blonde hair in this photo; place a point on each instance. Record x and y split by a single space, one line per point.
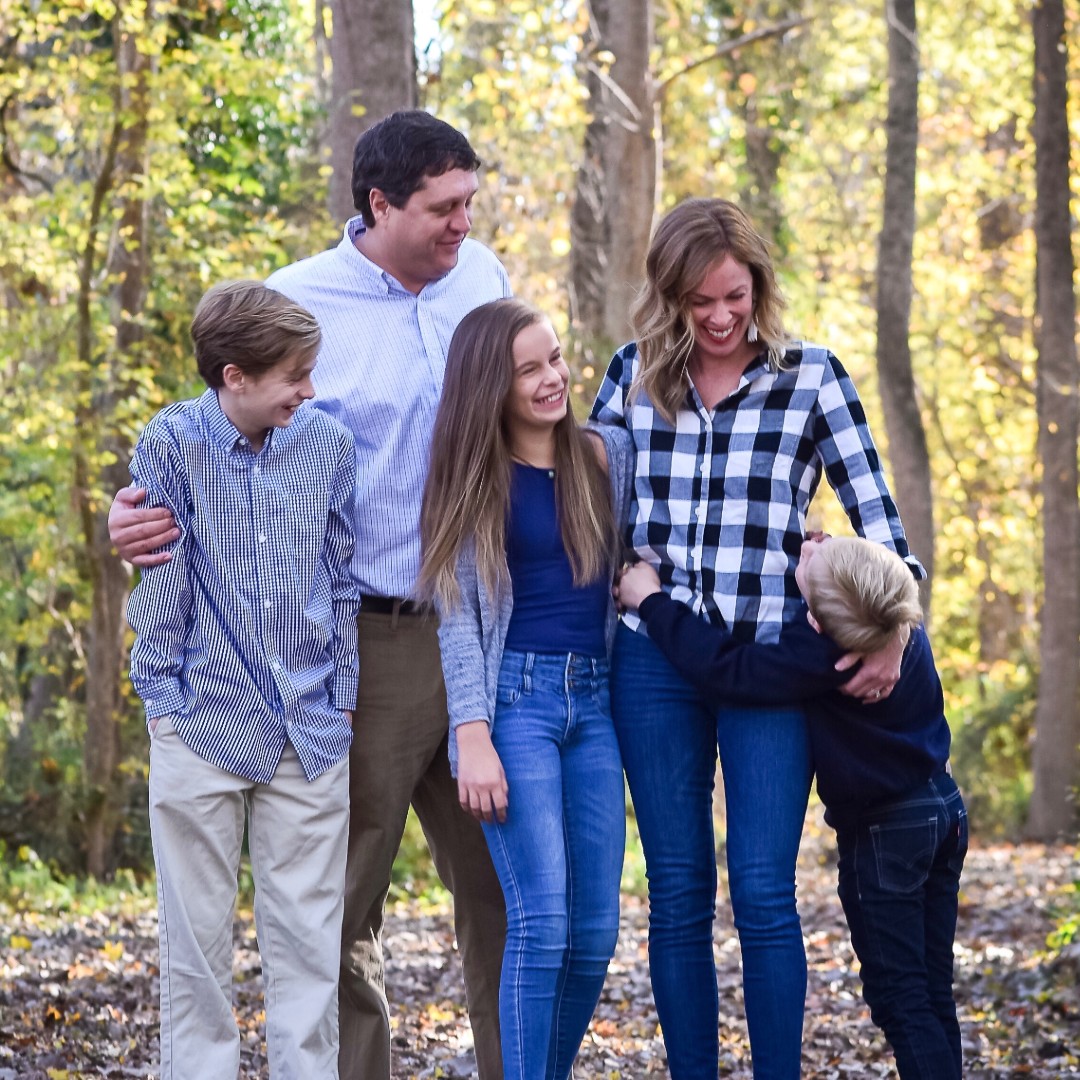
861 593
687 243
468 486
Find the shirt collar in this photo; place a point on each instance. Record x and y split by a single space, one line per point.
371 273
220 428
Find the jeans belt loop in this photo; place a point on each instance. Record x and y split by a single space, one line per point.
526 674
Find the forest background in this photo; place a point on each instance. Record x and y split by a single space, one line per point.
910 164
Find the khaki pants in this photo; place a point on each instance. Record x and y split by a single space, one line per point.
296 836
399 756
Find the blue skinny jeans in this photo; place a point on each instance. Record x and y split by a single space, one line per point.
669 736
558 855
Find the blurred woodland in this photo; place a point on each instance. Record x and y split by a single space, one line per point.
909 162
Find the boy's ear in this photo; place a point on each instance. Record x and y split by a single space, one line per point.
813 622
232 377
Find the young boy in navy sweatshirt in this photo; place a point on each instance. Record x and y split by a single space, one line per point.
882 772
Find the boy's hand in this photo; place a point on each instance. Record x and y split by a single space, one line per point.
875 680
348 714
482 787
137 531
634 584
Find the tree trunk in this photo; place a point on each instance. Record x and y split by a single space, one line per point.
1056 761
373 73
125 169
908 455
616 185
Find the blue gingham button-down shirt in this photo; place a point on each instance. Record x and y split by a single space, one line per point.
380 373
248 635
720 499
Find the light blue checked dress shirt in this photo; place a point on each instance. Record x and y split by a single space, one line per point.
248 635
380 373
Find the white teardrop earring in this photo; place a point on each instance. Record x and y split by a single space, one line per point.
751 332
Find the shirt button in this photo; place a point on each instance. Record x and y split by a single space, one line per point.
268 603
262 538
697 511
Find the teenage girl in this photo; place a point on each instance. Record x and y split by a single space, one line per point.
519 543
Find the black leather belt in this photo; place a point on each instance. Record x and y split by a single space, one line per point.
390 605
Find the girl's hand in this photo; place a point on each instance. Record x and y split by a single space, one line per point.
634 584
482 787
875 680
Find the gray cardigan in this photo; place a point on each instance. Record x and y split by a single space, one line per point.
472 635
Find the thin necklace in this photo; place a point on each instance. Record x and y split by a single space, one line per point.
523 461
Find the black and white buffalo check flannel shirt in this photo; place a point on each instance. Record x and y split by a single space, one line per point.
720 500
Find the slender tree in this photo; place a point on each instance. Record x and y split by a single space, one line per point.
373 73
908 455
1056 759
103 450
616 184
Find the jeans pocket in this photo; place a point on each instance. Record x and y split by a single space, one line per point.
904 853
508 690
959 852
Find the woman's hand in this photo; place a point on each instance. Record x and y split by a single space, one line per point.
634 584
482 787
875 680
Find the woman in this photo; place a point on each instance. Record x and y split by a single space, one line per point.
732 428
518 533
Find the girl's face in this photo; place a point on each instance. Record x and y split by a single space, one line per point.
538 395
720 308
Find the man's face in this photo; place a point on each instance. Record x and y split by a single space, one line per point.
421 240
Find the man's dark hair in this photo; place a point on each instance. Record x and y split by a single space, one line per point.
400 152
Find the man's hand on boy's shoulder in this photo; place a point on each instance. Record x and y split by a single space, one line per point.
137 532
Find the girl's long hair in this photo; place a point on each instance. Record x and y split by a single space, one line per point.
467 495
687 243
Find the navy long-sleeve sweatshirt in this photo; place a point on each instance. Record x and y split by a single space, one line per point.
863 754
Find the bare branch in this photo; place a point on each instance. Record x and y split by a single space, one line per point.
775 30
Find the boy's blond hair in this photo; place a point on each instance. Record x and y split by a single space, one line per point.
861 593
252 326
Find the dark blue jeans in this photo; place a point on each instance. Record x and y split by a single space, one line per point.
558 855
900 869
669 736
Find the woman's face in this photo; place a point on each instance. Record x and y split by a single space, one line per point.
538 395
720 308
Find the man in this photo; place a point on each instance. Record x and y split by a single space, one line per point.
387 300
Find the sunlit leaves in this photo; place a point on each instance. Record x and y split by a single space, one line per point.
232 181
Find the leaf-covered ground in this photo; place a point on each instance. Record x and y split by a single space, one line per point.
78 993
